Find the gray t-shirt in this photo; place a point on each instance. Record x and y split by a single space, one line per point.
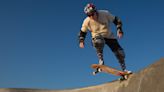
100 26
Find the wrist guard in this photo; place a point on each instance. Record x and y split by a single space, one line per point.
119 30
82 36
118 23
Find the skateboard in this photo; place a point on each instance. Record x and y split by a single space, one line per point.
110 70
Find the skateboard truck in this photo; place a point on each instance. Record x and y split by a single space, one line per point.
97 71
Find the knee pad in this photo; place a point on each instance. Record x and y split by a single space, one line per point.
98 42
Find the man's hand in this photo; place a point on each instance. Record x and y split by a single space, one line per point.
119 34
81 45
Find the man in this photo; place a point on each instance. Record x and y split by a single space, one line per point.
97 22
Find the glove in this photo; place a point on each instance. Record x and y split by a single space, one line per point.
119 33
81 44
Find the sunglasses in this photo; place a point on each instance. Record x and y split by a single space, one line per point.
92 14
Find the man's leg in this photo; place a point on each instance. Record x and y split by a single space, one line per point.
100 56
121 58
101 61
98 43
118 51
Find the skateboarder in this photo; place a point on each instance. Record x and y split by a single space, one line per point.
97 22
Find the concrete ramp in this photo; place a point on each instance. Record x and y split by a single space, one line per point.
150 79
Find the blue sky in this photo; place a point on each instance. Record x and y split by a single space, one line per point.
39 46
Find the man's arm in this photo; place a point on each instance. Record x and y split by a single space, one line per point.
83 32
118 23
82 36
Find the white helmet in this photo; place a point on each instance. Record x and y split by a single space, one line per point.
90 9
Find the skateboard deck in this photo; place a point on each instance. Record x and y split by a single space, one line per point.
109 70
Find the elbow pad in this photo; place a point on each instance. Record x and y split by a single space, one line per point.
82 36
117 22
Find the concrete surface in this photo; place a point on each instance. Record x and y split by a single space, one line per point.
150 79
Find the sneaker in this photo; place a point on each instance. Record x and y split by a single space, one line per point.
101 62
125 77
127 71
